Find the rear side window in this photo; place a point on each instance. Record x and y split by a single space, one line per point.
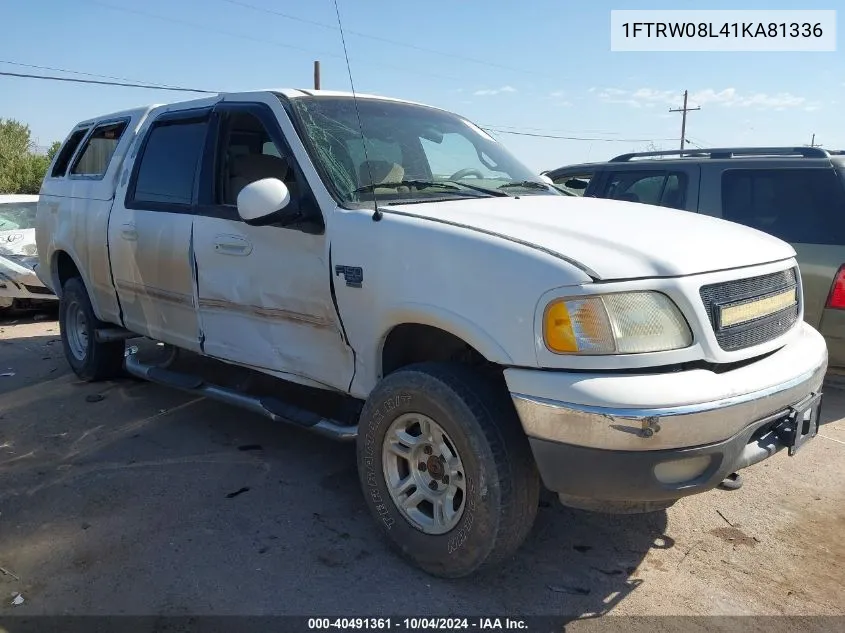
168 164
801 206
98 150
67 152
666 189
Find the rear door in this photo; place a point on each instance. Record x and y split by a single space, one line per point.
804 206
150 230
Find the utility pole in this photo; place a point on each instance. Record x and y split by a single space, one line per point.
813 142
684 110
316 75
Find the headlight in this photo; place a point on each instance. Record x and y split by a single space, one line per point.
619 323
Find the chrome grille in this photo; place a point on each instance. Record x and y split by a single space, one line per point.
760 330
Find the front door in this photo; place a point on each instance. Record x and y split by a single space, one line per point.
264 292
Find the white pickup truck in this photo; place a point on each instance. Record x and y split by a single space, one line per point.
492 334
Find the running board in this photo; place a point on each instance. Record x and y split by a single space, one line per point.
113 334
269 407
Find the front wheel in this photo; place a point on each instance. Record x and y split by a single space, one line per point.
446 469
89 359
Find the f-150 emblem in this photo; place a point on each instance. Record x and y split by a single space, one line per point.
354 275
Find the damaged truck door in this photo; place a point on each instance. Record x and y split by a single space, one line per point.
263 285
150 234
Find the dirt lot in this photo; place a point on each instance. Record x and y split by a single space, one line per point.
142 500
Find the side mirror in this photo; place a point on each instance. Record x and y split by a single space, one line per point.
264 201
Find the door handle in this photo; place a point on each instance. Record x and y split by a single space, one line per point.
232 245
129 232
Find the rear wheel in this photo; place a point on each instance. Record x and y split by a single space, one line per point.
446 469
89 359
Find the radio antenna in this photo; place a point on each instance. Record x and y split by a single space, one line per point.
377 213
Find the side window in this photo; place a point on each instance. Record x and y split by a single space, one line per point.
801 206
168 164
648 187
98 150
247 153
576 184
67 152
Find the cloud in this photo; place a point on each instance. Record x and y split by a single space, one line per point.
727 97
494 91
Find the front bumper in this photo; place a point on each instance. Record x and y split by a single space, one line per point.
616 436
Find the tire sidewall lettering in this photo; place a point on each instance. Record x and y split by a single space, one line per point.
372 455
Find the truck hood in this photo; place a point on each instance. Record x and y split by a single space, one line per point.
610 239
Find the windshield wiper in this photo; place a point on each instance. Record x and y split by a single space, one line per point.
419 184
489 192
526 184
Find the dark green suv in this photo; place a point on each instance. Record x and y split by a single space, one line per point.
794 193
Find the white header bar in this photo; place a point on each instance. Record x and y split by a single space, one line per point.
721 31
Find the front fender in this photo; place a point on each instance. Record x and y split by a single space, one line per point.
443 319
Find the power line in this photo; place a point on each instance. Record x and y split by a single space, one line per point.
378 38
521 128
202 27
102 83
580 138
79 72
127 84
209 29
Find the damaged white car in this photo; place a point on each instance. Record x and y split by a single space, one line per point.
19 284
487 333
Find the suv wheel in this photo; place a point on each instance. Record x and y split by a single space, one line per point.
89 359
446 469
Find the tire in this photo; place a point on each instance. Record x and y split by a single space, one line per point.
497 505
90 360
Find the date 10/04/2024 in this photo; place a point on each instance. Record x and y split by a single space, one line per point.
417 624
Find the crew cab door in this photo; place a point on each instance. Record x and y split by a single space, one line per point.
150 229
264 292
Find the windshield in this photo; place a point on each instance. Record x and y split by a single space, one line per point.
413 153
16 216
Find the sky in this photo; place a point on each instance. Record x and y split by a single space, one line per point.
538 67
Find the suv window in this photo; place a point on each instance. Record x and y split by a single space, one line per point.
98 150
575 184
247 154
803 205
666 189
168 164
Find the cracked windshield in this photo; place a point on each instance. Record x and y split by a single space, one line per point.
412 153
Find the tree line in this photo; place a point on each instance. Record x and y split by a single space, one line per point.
21 168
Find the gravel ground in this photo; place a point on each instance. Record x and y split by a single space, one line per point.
128 498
